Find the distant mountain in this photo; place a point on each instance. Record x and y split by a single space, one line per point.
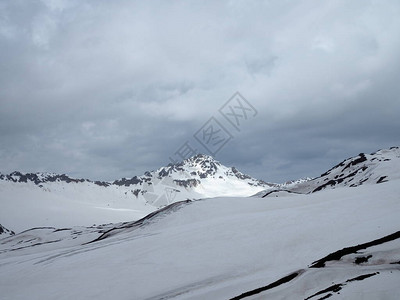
40 178
374 168
197 177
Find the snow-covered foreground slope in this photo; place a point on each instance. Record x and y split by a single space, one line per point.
264 248
23 206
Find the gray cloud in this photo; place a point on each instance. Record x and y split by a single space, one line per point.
104 89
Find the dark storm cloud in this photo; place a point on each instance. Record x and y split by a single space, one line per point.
105 89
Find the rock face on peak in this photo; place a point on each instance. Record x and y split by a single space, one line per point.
374 168
197 177
204 166
201 165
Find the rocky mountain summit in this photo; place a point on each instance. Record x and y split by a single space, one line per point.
375 168
197 177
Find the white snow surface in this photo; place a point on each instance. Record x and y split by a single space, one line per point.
25 205
217 248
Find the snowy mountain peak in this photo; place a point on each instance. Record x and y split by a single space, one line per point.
202 167
200 164
202 160
375 168
197 177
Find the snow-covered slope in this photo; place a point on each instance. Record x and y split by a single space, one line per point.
60 204
341 243
375 168
5 232
47 199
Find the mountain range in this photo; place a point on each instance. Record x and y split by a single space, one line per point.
197 177
87 202
73 201
335 236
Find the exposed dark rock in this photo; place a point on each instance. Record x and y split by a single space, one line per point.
239 175
40 178
164 172
279 190
102 183
382 179
4 230
188 182
362 158
351 250
334 182
362 259
127 182
336 288
272 285
335 167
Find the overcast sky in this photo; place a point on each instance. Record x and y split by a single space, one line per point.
110 89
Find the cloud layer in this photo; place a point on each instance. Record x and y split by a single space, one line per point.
103 89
